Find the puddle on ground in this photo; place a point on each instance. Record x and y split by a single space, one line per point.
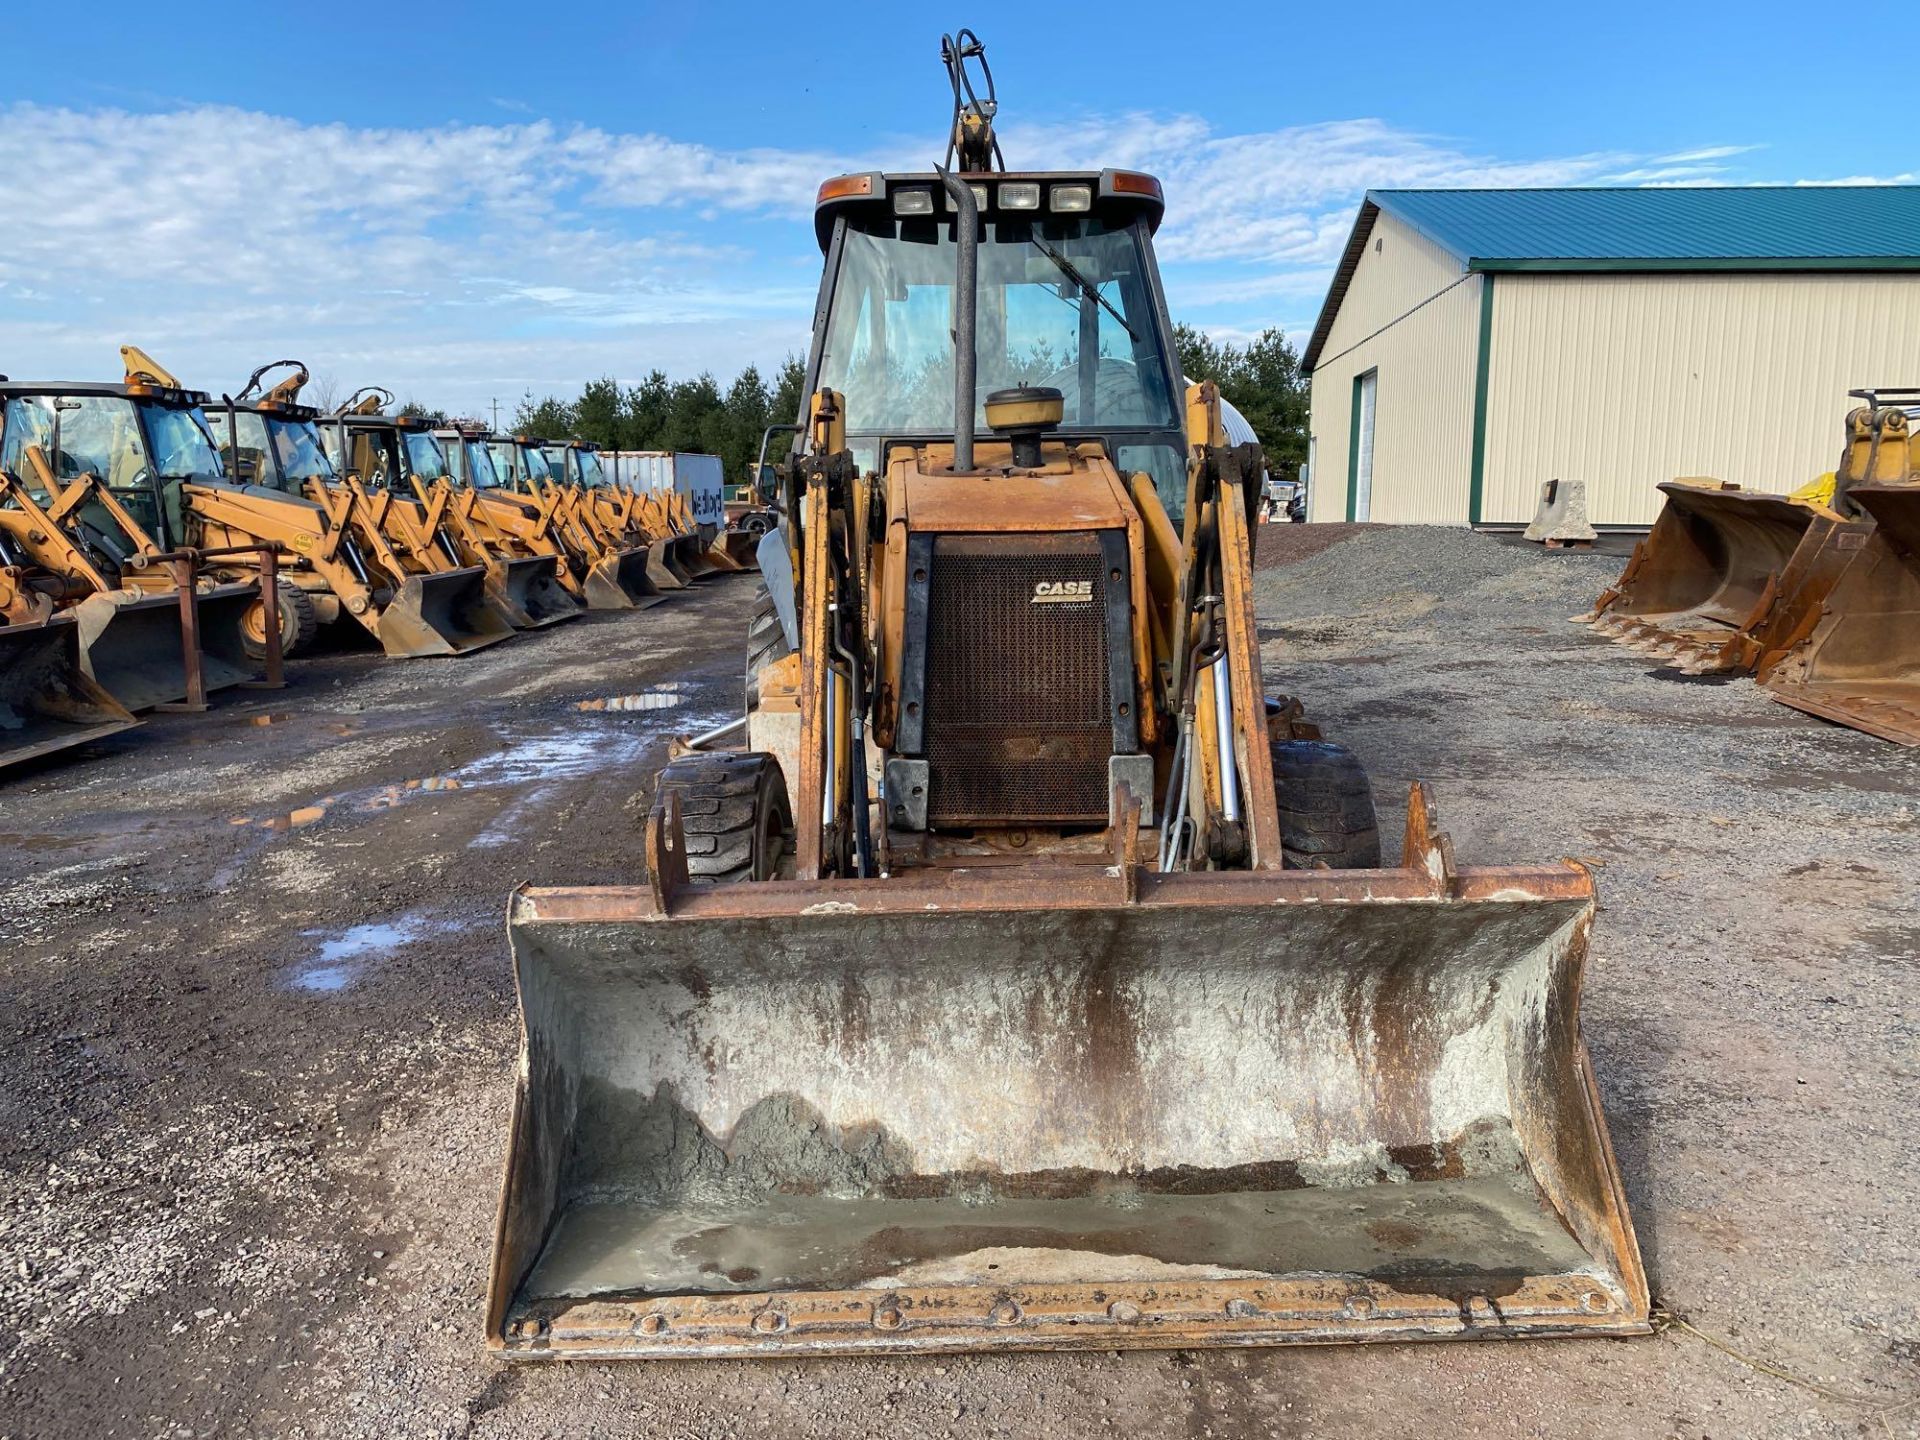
344 955
278 717
574 750
297 818
667 695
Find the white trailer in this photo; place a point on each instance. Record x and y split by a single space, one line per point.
701 478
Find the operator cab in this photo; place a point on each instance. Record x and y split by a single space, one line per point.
143 441
274 444
1068 299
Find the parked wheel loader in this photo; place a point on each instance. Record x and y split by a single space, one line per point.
395 463
1030 979
284 489
91 477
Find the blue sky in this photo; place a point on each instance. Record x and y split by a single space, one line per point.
470 202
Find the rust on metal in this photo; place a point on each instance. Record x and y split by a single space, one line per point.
1057 1105
1855 657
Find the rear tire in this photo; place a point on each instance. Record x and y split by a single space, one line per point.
1326 807
734 813
766 643
299 623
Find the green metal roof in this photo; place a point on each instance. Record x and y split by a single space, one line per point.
1676 228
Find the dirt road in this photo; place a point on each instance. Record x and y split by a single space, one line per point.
256 1031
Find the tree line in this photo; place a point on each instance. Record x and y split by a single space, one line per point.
1261 379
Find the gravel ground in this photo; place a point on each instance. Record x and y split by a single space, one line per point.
259 1028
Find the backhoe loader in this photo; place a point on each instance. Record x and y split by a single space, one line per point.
90 486
620 568
675 546
1030 979
284 489
488 516
393 462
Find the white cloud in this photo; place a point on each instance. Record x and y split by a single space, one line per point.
459 262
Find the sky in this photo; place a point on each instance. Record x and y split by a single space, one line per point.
471 203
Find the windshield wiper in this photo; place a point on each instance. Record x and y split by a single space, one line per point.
1085 286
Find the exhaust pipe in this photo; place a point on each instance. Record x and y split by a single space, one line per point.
965 286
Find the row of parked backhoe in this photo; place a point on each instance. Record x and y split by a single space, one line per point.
158 544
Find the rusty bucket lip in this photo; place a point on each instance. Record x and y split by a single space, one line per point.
949 1319
1046 887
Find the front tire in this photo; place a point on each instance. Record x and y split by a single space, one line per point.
1327 819
734 813
299 623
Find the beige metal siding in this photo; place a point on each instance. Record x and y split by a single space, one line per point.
1398 269
1410 316
1627 380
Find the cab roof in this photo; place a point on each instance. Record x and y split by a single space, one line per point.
165 394
278 410
1122 193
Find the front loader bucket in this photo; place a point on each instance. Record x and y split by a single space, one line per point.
131 643
1068 1107
743 547
1859 663
443 614
620 580
529 593
691 555
47 700
1698 593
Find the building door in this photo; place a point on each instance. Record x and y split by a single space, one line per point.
1360 503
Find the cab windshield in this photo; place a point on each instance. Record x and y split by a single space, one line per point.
180 445
481 473
533 463
296 445
425 458
1063 301
591 475
556 461
503 466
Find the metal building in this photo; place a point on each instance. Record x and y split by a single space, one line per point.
1476 344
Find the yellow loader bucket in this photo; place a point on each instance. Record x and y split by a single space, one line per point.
1085 1106
1698 593
131 643
528 592
622 580
1859 661
443 614
48 702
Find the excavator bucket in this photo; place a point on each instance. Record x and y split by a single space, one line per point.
1698 593
1091 1106
529 593
443 614
48 702
623 580
131 643
1859 662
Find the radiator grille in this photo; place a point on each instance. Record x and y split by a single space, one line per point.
1017 720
